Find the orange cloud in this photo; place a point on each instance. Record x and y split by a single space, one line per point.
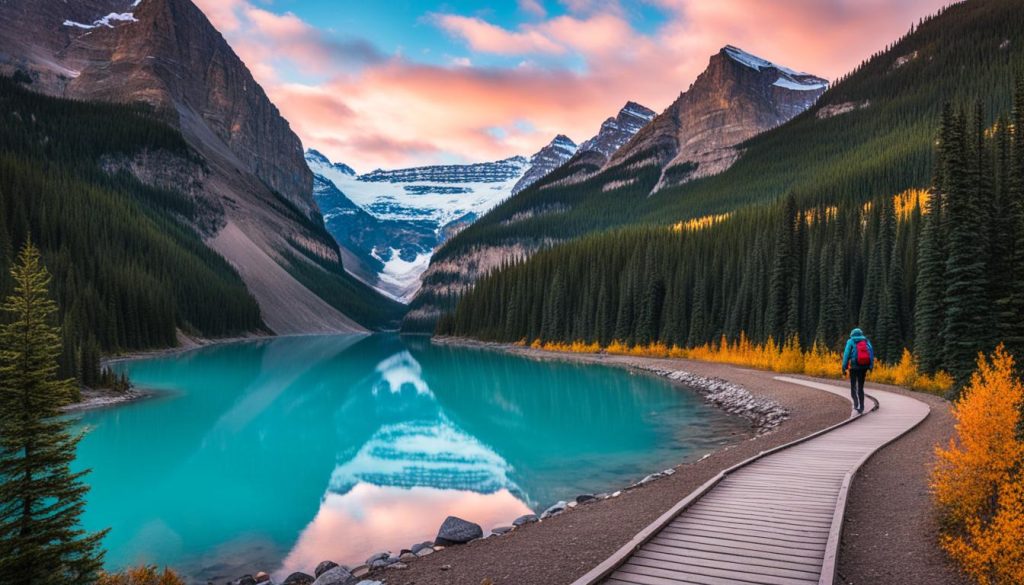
374 110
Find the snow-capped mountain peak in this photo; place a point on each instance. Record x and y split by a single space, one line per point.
315 157
788 78
545 160
616 131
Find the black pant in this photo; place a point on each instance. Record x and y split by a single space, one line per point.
857 386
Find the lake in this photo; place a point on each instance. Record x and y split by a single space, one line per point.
277 454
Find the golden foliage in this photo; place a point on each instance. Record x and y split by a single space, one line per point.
788 358
978 480
146 575
699 223
905 203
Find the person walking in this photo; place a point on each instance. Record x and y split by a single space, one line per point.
858 359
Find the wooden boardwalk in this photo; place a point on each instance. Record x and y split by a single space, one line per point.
774 519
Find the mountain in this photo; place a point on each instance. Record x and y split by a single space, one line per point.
248 170
613 134
736 98
389 222
545 160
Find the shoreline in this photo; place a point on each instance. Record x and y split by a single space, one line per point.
97 398
185 344
764 414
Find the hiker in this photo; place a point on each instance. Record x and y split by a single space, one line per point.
858 358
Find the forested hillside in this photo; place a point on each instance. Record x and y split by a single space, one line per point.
937 271
870 135
127 268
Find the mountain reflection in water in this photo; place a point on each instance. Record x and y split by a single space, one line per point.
277 454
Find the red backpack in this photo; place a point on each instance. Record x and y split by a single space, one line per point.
863 353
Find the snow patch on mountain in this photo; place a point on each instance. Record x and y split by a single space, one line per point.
108 20
755 62
797 86
788 78
401 273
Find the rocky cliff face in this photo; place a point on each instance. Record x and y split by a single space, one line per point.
545 160
736 98
165 53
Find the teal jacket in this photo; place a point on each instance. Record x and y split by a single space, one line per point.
850 353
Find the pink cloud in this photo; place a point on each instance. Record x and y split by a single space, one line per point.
374 110
488 38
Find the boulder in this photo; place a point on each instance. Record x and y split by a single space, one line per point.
299 578
406 557
361 571
424 552
246 580
554 510
502 529
324 566
525 519
416 548
585 498
455 530
261 577
335 576
377 557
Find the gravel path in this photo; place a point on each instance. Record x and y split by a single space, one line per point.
560 549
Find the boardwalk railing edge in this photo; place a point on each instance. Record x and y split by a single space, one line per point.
618 557
831 563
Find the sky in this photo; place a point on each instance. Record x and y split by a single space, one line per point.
397 83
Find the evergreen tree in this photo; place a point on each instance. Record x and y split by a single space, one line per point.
785 269
41 500
929 311
965 332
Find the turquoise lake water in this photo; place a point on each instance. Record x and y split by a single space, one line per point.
277 454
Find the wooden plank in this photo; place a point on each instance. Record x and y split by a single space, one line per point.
693 520
803 550
756 557
722 568
675 571
779 513
755 563
763 516
700 526
676 577
748 538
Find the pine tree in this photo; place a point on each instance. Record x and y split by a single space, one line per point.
1013 312
785 270
965 332
41 500
929 312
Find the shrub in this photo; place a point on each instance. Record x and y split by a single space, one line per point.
978 480
145 575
